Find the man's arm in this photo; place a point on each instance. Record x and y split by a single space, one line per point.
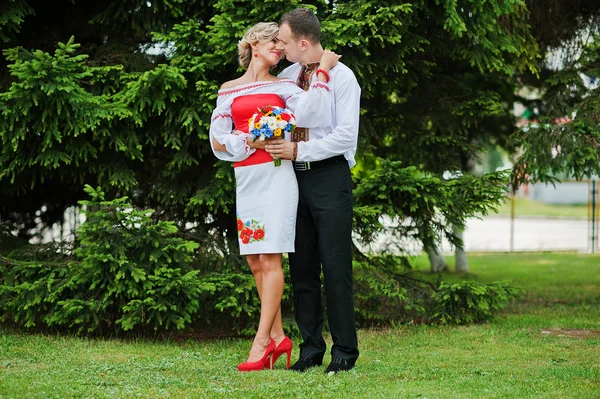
345 133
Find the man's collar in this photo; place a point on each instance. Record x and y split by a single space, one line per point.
311 65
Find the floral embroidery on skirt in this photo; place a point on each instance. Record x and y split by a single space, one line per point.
250 231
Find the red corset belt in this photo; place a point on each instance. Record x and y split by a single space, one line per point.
260 156
242 109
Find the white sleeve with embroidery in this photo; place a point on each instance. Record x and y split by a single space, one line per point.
312 108
344 136
221 128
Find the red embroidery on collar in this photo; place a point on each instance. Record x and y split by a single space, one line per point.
236 90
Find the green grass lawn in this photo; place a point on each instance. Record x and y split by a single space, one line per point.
526 207
524 353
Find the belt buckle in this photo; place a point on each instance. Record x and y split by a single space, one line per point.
301 166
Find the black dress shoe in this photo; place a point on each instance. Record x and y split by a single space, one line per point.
338 365
305 363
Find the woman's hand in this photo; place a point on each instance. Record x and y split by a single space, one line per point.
258 144
329 59
252 144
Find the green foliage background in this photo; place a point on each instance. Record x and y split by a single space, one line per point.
132 273
97 110
84 101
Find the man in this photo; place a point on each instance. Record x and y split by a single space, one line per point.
322 160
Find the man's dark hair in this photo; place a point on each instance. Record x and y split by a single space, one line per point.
304 24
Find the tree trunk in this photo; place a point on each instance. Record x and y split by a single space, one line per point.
437 261
462 263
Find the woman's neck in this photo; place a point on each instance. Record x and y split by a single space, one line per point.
257 72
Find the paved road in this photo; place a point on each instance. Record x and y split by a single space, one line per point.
493 234
530 234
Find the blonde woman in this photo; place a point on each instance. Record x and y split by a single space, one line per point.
266 196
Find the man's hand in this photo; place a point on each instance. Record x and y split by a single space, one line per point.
280 148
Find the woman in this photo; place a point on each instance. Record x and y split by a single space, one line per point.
266 196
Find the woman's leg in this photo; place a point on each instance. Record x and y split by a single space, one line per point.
270 291
277 332
254 263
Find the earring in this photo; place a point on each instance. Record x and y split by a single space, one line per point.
256 54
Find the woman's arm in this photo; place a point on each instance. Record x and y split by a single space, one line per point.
225 145
218 146
312 108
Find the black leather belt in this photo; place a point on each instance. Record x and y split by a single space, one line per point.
302 166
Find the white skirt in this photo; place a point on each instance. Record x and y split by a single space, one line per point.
266 206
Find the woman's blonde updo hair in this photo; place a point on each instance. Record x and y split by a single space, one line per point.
260 31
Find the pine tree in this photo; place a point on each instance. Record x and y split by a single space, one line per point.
82 102
86 98
565 137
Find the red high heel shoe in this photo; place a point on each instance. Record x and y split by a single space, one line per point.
265 361
284 346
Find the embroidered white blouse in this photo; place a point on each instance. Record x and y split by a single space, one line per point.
310 108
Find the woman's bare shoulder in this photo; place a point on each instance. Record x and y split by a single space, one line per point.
232 83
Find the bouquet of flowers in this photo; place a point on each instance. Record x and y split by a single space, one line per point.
270 122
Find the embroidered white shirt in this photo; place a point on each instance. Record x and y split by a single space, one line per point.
341 136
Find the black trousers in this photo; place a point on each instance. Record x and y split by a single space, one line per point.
323 238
